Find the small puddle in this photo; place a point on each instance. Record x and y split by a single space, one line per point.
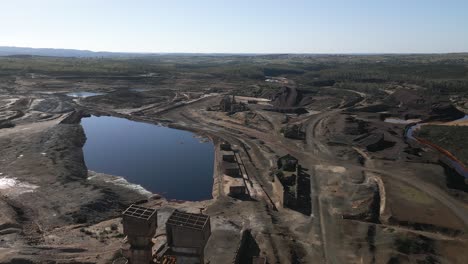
83 94
171 162
140 89
401 121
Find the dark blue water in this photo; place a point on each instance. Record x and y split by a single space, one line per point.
163 160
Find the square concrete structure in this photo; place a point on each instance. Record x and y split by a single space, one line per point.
187 235
231 169
225 146
228 156
139 255
139 221
139 224
237 187
287 163
237 190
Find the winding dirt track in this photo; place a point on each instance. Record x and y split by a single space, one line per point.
313 153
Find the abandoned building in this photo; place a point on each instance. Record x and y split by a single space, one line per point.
291 185
228 156
230 105
237 188
248 250
226 146
226 103
229 164
187 235
139 225
231 169
293 131
287 163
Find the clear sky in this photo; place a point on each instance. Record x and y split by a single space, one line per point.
238 26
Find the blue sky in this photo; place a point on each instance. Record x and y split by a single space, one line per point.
238 26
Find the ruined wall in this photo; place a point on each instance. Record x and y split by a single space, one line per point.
278 192
247 250
185 237
241 248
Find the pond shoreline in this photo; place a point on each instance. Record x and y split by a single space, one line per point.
157 151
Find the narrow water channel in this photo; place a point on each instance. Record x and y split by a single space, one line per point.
448 159
171 162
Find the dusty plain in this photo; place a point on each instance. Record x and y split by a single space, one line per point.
374 196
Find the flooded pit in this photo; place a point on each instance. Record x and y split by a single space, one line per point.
171 162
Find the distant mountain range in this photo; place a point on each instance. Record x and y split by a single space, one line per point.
12 51
22 51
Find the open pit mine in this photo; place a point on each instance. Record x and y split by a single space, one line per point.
232 159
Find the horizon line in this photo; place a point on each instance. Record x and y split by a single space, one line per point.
239 53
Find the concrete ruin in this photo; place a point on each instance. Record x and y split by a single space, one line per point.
287 163
291 185
230 105
293 131
229 164
248 250
231 169
233 174
237 188
226 146
187 235
139 225
228 156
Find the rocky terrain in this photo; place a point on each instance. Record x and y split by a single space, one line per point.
375 195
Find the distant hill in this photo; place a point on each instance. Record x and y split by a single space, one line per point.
19 51
48 52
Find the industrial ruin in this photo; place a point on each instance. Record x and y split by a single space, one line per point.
291 185
231 165
139 225
248 250
229 105
186 237
293 131
374 172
